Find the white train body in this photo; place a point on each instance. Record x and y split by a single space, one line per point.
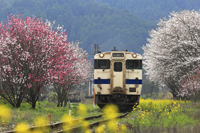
117 78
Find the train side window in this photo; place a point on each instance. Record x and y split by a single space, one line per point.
118 66
101 64
133 64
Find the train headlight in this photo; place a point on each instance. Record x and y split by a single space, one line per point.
101 55
134 55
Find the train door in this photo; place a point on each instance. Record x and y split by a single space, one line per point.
118 73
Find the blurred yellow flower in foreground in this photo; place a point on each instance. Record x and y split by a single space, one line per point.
41 121
82 110
22 128
68 122
100 129
85 125
110 111
113 125
5 113
123 127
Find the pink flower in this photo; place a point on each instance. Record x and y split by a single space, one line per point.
29 85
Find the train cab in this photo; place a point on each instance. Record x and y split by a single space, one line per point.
117 78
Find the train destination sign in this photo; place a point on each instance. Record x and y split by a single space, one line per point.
118 54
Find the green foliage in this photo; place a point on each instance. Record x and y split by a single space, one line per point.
3 101
89 22
52 97
152 10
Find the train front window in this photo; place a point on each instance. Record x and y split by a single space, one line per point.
101 64
118 66
133 64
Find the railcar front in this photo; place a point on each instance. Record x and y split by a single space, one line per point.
117 79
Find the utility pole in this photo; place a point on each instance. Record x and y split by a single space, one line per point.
89 88
95 50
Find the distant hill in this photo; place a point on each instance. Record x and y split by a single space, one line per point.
123 23
152 10
88 21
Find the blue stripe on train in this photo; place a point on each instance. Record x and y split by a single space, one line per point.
102 81
107 81
133 81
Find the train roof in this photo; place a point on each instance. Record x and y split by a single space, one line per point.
125 52
108 52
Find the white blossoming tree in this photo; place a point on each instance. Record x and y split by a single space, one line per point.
173 52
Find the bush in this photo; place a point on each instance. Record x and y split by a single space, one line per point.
52 97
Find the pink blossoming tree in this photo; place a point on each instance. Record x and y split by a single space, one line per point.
190 86
75 73
33 55
25 46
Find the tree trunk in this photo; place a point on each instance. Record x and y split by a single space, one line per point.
13 99
65 102
19 101
58 103
34 97
66 99
33 105
18 104
174 96
61 104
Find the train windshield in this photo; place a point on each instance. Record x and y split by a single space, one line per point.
133 64
101 64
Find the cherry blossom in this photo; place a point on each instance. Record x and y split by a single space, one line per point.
173 51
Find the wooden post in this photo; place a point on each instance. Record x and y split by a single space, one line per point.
2 123
49 117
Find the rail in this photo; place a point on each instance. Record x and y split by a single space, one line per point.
60 124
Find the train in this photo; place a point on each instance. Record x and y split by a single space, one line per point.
117 78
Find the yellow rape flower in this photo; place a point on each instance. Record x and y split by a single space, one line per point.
123 128
68 122
112 125
22 128
88 131
5 113
85 125
41 121
82 110
110 111
100 129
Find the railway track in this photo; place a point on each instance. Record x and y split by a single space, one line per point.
59 125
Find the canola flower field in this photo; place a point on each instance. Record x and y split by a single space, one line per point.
149 116
165 116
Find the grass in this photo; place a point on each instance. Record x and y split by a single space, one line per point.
28 115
